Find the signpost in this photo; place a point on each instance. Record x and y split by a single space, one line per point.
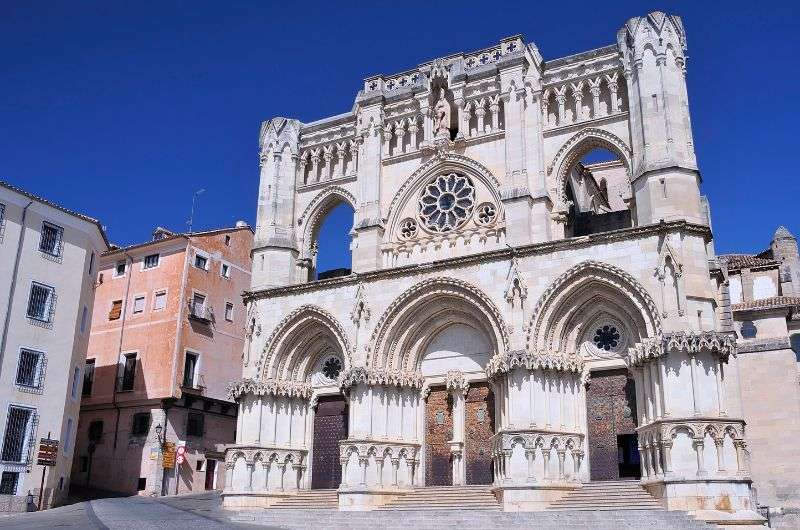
48 454
180 459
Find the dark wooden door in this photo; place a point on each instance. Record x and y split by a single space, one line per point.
479 427
438 431
611 415
330 426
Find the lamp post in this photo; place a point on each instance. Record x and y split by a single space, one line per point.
161 439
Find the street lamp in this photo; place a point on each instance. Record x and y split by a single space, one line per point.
159 429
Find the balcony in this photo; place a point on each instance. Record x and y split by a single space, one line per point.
201 313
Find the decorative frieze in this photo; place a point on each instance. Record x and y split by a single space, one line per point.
268 387
360 375
506 362
691 342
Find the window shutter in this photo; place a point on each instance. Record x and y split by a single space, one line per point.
116 310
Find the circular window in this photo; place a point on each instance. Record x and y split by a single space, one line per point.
408 228
446 202
486 213
606 337
332 367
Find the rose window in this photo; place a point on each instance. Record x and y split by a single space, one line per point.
606 337
332 367
446 202
408 229
486 214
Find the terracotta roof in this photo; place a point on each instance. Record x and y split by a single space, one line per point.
773 302
745 261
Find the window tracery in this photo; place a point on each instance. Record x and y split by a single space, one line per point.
408 228
486 214
446 202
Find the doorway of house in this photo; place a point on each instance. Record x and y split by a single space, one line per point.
611 418
479 429
330 426
211 474
438 433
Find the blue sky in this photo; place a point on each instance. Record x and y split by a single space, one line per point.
123 109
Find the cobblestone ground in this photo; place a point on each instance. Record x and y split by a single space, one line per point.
196 511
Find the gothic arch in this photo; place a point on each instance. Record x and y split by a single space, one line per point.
575 148
575 297
318 208
451 162
409 323
296 343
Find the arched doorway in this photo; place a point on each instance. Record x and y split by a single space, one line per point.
598 192
331 254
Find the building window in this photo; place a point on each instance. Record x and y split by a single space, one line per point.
141 424
96 431
194 424
116 310
229 312
19 424
91 264
227 241
8 483
41 302
52 238
128 372
198 305
88 378
159 300
225 270
84 319
138 305
76 377
190 369
150 261
67 434
201 262
141 484
120 268
201 465
30 370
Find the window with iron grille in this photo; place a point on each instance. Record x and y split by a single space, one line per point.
120 268
30 369
229 312
141 424
128 372
194 424
150 261
52 239
18 427
8 483
96 431
225 270
88 378
40 302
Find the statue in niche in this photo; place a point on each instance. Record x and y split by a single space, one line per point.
441 116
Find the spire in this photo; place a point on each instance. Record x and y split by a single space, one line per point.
782 233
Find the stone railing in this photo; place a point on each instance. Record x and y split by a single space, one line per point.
531 456
369 464
256 469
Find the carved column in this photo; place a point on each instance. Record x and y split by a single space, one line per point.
698 446
314 177
720 443
395 467
530 455
561 99
594 90
413 128
400 132
328 169
494 108
466 114
387 140
577 96
666 448
613 87
480 112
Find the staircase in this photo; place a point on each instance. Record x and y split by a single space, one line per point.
445 498
310 500
608 495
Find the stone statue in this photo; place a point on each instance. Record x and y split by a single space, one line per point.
441 115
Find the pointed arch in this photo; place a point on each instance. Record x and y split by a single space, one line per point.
416 316
298 341
576 148
575 299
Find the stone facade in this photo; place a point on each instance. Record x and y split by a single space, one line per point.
486 254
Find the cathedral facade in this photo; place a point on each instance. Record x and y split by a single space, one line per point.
517 315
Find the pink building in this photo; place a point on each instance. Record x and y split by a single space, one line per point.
167 337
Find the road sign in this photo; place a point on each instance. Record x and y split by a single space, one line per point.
48 452
181 450
180 459
169 455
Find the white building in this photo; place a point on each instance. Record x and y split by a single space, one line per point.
47 278
520 313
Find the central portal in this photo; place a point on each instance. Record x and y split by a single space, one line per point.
330 426
611 415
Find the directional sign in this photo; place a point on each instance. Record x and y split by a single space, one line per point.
48 452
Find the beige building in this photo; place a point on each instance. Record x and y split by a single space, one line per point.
167 336
48 269
524 317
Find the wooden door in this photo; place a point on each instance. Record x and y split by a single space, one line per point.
611 415
330 426
438 431
479 427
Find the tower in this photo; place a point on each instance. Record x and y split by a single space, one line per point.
664 171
